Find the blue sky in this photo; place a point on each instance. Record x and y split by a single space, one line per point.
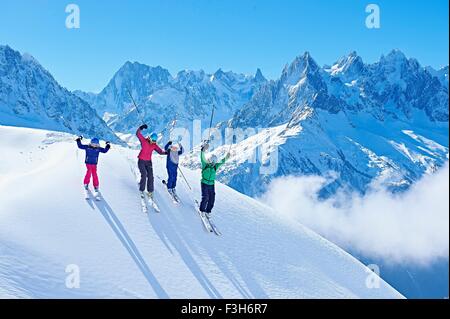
238 35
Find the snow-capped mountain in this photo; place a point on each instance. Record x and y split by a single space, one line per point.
30 97
383 123
188 96
441 74
393 87
119 252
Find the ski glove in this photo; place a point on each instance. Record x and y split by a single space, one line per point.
143 127
205 146
79 138
169 143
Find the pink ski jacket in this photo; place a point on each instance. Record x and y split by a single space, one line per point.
147 148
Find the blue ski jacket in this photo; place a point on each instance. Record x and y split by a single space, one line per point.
172 157
92 152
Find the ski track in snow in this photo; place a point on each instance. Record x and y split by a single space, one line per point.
46 224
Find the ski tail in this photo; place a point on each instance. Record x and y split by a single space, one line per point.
144 204
214 227
86 193
205 222
152 202
173 196
97 195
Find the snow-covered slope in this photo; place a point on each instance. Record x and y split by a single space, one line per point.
46 225
30 96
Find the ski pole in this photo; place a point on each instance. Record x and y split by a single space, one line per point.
135 105
229 150
172 125
190 188
184 177
210 123
231 145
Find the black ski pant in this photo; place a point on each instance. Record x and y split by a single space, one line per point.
146 169
208 198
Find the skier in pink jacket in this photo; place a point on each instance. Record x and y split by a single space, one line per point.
148 146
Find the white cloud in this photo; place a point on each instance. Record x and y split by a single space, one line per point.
410 227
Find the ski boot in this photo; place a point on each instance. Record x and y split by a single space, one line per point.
97 194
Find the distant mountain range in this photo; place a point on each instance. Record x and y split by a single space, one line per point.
161 97
373 124
384 123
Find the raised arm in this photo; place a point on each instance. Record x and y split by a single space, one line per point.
106 149
81 146
204 147
181 151
139 133
218 165
203 159
166 148
140 136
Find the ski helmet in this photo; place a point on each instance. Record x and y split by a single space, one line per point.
95 141
154 137
213 159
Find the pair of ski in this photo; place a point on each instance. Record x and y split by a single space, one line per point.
146 201
173 196
88 194
207 222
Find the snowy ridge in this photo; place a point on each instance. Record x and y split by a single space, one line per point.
161 97
30 97
122 252
347 115
361 153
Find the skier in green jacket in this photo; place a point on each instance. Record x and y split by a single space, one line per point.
209 169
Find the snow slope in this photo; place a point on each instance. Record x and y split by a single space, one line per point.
46 225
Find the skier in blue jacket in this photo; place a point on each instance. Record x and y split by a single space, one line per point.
173 152
92 152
